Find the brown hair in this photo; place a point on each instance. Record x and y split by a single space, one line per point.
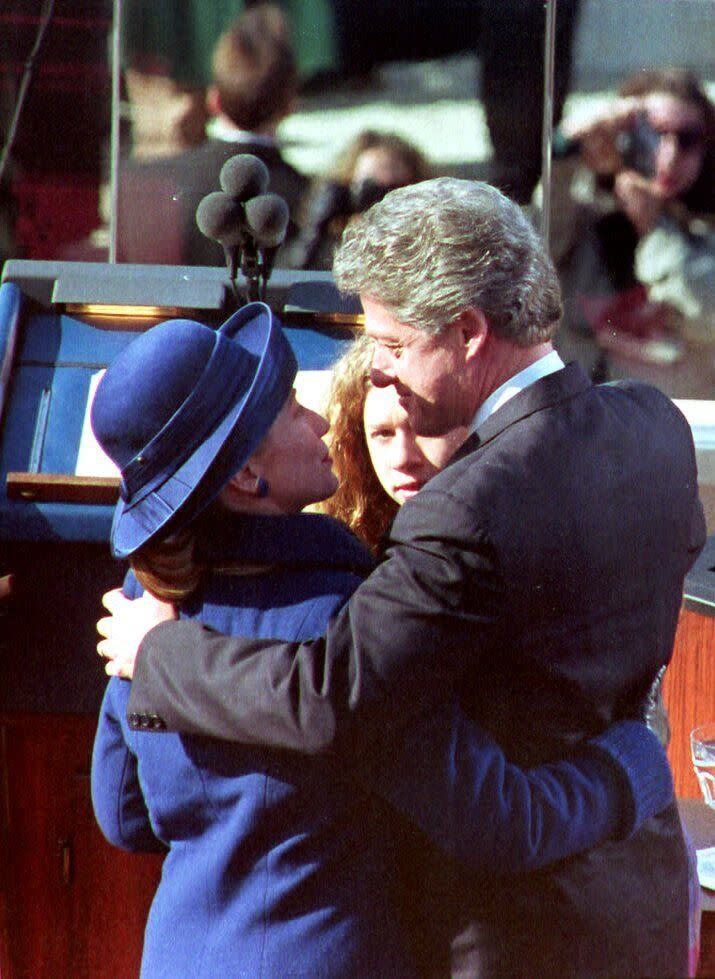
167 567
360 500
683 85
255 69
413 159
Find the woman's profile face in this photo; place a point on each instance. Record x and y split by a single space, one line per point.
681 147
403 461
294 460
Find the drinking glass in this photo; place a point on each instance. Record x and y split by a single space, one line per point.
702 748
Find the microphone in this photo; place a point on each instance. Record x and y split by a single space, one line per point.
267 218
249 223
221 218
244 176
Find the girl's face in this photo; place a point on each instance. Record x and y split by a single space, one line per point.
681 148
294 460
403 461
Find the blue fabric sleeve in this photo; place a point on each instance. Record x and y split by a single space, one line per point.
131 587
453 781
119 806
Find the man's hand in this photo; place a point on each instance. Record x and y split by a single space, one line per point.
125 627
638 200
598 136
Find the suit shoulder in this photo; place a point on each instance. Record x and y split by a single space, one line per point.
452 506
657 407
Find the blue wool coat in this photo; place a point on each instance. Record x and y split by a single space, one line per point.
274 867
278 865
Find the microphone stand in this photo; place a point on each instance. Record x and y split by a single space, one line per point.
231 255
251 268
267 258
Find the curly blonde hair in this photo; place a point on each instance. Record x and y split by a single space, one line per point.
360 501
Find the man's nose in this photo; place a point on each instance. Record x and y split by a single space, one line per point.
381 370
379 379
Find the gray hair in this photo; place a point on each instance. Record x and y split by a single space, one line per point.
430 250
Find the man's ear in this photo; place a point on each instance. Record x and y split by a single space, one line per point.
474 330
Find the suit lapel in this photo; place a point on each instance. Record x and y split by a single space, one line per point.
544 393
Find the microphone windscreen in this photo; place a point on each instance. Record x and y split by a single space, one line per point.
244 176
221 218
267 219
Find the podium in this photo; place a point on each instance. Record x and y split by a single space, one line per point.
689 683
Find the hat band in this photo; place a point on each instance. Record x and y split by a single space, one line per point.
224 381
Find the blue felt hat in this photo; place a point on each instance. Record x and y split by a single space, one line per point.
181 409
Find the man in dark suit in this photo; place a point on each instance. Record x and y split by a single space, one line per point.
254 88
539 575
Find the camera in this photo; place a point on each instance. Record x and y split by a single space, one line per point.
638 147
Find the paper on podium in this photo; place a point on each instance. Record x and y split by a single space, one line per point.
92 460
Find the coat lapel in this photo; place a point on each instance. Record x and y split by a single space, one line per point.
544 393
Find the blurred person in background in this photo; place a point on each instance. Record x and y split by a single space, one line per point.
508 38
167 57
254 87
634 232
372 164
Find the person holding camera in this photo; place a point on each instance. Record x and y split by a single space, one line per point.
372 164
637 247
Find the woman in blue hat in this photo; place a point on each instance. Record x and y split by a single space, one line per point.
277 865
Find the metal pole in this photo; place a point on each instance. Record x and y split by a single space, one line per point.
547 131
116 117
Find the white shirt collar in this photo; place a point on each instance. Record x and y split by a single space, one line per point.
218 128
548 364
